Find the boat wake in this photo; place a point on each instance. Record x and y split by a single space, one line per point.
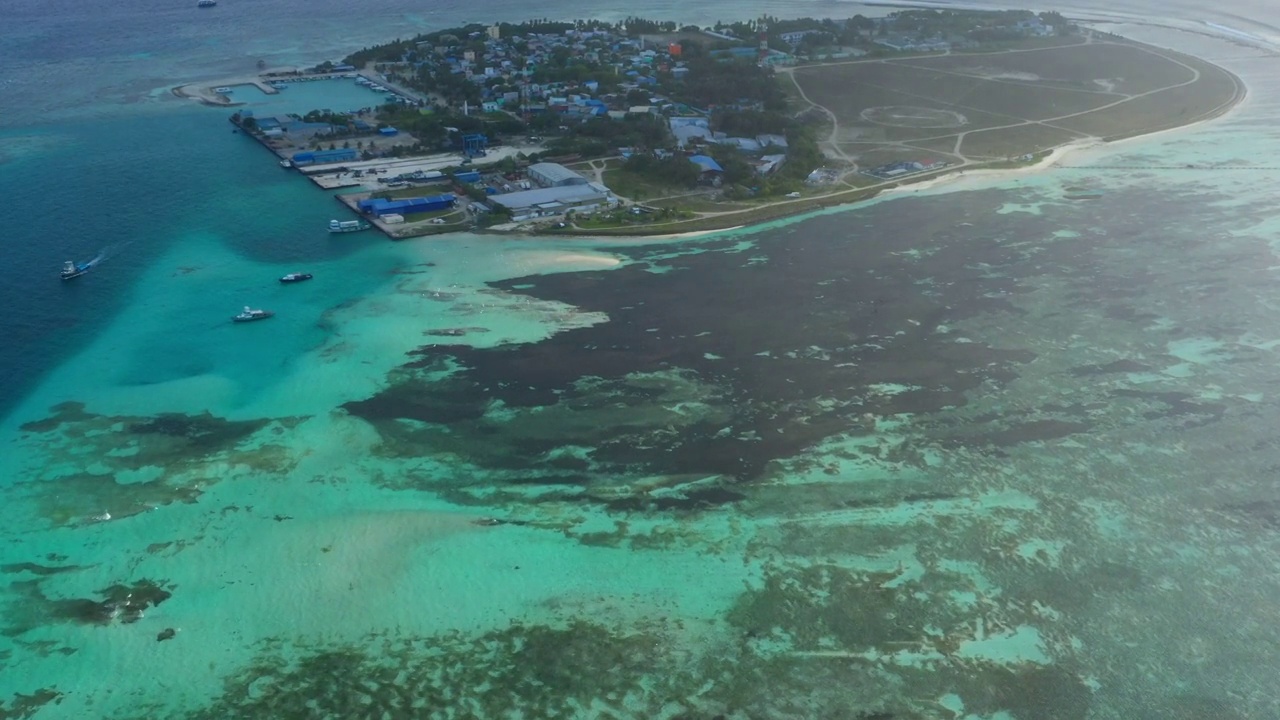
105 253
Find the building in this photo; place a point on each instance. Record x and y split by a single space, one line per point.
904 167
322 157
769 163
549 201
550 175
689 129
906 44
771 140
793 38
407 206
706 164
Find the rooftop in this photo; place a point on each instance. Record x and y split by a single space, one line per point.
542 196
554 172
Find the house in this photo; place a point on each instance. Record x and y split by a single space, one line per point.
793 38
744 144
709 169
771 140
768 164
1034 26
688 129
906 44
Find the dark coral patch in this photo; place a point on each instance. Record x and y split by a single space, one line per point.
99 467
786 352
32 608
24 706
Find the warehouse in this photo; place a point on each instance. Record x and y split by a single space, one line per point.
554 175
408 206
545 202
320 157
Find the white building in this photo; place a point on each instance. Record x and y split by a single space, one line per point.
550 201
550 175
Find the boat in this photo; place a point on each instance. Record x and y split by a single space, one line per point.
74 270
286 164
206 3
295 277
346 226
223 90
250 315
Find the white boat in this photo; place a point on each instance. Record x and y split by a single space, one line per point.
286 164
346 226
223 90
249 315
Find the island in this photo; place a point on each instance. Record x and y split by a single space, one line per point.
646 127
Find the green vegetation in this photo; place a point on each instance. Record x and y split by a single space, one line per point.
905 104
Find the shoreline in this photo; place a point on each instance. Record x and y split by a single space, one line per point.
783 209
1048 159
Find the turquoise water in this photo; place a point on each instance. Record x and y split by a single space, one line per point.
303 97
925 458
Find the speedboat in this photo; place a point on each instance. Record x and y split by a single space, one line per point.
206 3
250 315
286 164
295 277
72 270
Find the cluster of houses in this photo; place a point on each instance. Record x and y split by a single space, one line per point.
767 151
504 69
886 35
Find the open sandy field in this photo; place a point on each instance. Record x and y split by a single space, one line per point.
980 106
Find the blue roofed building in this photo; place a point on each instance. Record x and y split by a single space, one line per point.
322 157
407 206
707 164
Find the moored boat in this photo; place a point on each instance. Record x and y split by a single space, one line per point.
286 164
206 3
295 277
346 226
74 270
249 315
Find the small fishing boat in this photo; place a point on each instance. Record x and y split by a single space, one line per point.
222 90
206 3
72 270
250 315
286 164
295 277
